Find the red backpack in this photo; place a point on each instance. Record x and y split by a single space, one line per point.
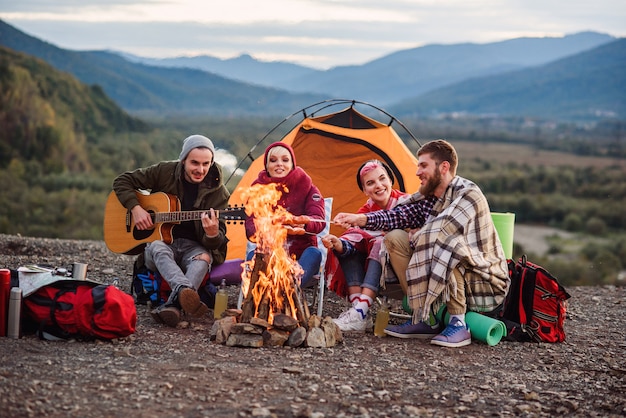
80 309
536 305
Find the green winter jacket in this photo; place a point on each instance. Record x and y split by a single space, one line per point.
167 177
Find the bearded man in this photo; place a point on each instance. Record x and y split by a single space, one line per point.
443 247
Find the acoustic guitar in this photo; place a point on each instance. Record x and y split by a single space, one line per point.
122 237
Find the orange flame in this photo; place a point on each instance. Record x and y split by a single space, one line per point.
276 283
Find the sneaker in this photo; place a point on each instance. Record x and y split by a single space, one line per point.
455 335
190 302
351 320
168 315
411 330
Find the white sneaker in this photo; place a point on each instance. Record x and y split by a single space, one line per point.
351 320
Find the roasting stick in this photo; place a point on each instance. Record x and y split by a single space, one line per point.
307 233
318 220
322 221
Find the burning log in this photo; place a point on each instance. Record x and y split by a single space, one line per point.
271 280
263 310
248 307
302 308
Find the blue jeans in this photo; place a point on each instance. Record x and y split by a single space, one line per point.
310 261
353 267
177 263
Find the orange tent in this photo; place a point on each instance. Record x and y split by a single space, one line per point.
331 148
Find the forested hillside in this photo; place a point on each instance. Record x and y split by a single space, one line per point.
53 148
48 117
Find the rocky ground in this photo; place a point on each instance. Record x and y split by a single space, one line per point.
167 372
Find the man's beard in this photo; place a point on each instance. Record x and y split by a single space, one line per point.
429 188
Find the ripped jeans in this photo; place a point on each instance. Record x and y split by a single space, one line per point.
178 263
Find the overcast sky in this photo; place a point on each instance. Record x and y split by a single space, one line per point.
315 33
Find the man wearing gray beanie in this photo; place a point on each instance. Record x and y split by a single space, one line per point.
183 252
196 141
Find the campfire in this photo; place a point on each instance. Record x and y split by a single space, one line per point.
274 309
272 285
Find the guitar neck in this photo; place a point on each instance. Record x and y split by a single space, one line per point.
228 214
170 217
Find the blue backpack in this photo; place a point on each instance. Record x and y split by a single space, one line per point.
149 287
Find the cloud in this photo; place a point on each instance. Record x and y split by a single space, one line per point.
316 33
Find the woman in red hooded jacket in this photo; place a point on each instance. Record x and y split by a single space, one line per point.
301 198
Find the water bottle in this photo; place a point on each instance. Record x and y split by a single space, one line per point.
221 301
382 319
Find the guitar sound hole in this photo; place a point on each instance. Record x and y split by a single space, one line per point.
141 235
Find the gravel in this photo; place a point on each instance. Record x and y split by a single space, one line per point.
165 372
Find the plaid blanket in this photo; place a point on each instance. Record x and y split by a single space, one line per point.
459 234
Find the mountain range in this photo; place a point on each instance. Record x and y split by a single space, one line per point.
579 77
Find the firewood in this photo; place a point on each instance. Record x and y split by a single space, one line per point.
300 301
263 310
248 307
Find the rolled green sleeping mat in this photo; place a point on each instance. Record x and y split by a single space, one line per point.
505 227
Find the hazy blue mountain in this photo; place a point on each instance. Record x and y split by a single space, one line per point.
393 81
242 68
399 75
585 86
145 89
407 73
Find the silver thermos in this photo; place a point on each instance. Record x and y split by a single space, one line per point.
15 312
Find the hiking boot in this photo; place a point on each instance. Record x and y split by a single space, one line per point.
352 321
455 335
168 315
190 302
411 330
154 313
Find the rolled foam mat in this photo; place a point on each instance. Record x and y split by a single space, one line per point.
482 327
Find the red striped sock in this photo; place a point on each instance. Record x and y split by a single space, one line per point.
363 304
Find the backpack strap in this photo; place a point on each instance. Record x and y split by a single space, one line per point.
98 294
54 306
522 311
